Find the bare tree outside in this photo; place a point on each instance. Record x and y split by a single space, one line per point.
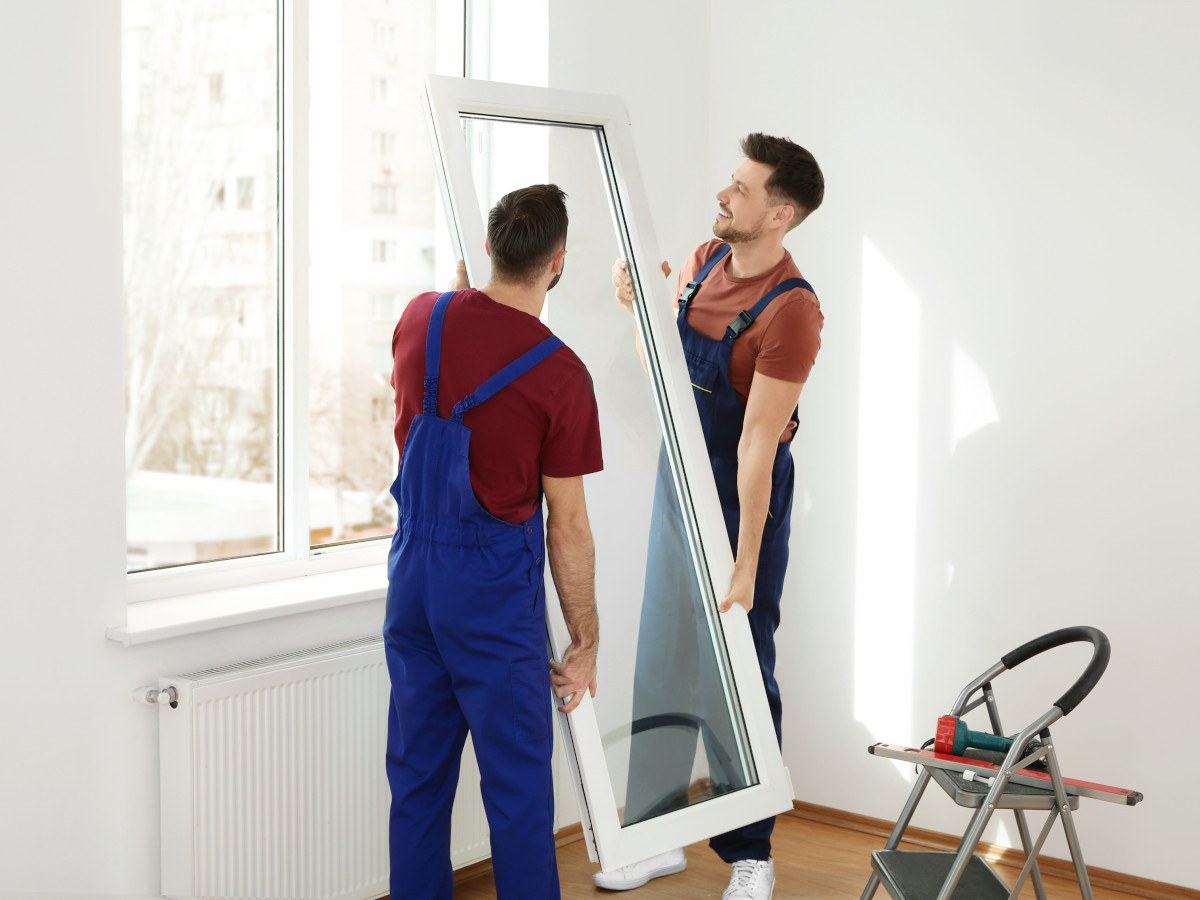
200 168
202 249
373 202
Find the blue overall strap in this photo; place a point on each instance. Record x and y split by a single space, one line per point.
746 317
718 254
433 353
506 376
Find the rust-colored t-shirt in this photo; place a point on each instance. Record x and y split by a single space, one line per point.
783 341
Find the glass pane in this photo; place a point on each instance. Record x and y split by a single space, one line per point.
672 733
200 126
377 237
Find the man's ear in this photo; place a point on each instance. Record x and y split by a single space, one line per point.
487 248
558 260
785 216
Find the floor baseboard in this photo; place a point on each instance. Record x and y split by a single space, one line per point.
1005 856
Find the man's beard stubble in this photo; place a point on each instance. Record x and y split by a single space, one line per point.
733 235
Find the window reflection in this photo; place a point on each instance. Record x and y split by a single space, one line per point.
678 699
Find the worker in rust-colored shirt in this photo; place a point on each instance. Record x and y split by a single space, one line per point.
751 328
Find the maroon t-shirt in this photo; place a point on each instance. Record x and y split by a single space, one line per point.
544 423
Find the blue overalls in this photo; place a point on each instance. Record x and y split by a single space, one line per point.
465 641
672 628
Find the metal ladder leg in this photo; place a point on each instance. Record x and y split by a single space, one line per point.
966 849
893 840
1035 873
1068 821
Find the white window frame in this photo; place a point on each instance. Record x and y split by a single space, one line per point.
608 842
172 601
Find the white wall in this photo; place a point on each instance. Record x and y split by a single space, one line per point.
1013 187
78 761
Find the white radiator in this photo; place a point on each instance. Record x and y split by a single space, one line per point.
273 782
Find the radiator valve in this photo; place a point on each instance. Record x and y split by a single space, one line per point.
168 696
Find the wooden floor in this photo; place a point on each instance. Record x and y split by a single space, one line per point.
812 861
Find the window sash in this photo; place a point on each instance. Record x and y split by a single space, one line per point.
609 842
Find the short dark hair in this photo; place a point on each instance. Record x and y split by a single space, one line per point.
525 228
796 178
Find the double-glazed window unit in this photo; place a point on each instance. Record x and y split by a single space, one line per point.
384 144
383 251
383 198
383 36
260 233
678 744
389 91
245 193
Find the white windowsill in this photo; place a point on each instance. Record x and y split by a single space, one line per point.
168 617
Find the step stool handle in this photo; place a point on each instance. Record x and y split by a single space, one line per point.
1083 686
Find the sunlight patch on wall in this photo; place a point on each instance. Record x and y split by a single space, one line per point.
887 486
973 405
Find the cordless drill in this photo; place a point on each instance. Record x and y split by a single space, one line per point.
954 737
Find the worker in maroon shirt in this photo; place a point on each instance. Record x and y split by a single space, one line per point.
492 413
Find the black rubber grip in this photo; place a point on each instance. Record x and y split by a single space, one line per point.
1083 686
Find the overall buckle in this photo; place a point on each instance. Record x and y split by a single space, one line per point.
743 321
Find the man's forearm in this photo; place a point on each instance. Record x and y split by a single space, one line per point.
572 557
756 460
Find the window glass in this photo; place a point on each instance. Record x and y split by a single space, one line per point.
203 251
378 238
201 282
672 733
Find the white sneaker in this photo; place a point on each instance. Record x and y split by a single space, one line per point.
752 879
635 875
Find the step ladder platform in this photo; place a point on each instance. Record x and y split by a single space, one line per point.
919 875
971 794
1030 777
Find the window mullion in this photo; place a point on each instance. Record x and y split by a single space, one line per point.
294 313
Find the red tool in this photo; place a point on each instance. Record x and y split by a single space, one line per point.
954 737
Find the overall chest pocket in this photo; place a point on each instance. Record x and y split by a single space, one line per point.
703 373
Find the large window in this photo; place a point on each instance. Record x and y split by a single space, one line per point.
280 208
